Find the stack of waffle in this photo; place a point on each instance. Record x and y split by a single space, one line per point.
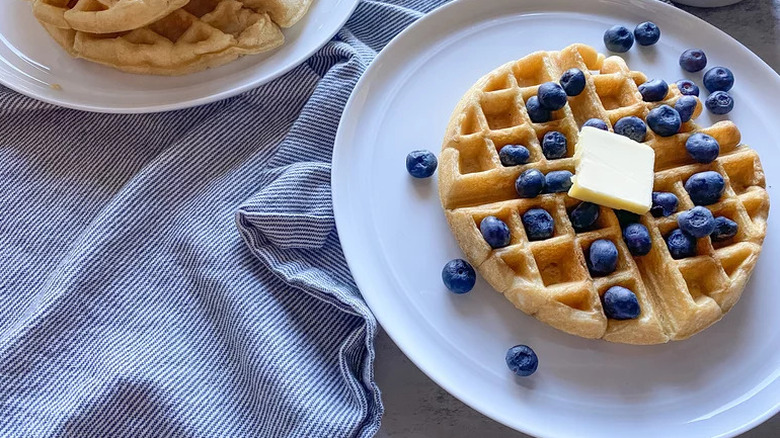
167 37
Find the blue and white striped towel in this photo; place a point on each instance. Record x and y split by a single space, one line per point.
130 303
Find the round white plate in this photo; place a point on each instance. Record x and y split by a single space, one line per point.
33 64
718 383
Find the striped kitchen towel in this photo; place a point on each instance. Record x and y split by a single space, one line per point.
179 274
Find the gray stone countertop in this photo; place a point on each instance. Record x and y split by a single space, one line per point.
415 407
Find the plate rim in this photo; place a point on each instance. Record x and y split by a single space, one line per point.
350 244
195 102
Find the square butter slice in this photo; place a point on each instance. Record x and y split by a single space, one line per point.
613 171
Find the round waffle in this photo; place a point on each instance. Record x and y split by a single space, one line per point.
549 279
202 34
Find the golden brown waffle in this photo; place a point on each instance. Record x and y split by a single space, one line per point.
202 34
549 279
103 16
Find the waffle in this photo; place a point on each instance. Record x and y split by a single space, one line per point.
549 279
103 16
202 34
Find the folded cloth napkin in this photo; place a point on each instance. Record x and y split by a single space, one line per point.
179 274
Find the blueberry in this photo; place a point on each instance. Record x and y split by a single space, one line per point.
725 229
632 127
495 232
647 33
626 217
512 155
421 163
685 106
602 257
693 60
718 79
618 39
664 204
458 276
654 90
584 216
551 96
538 224
596 123
719 103
536 112
573 81
557 181
687 87
530 183
522 360
620 303
697 222
705 188
554 145
637 239
664 120
702 147
680 244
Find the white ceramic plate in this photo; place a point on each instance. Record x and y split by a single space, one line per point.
719 383
33 64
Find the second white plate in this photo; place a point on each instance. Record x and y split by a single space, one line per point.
32 64
396 239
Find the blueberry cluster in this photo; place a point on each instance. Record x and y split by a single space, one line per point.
554 146
538 223
663 120
602 255
619 39
602 258
552 96
532 182
704 188
717 80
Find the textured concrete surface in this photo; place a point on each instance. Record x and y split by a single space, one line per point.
415 407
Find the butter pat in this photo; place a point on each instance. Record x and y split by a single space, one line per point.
613 171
